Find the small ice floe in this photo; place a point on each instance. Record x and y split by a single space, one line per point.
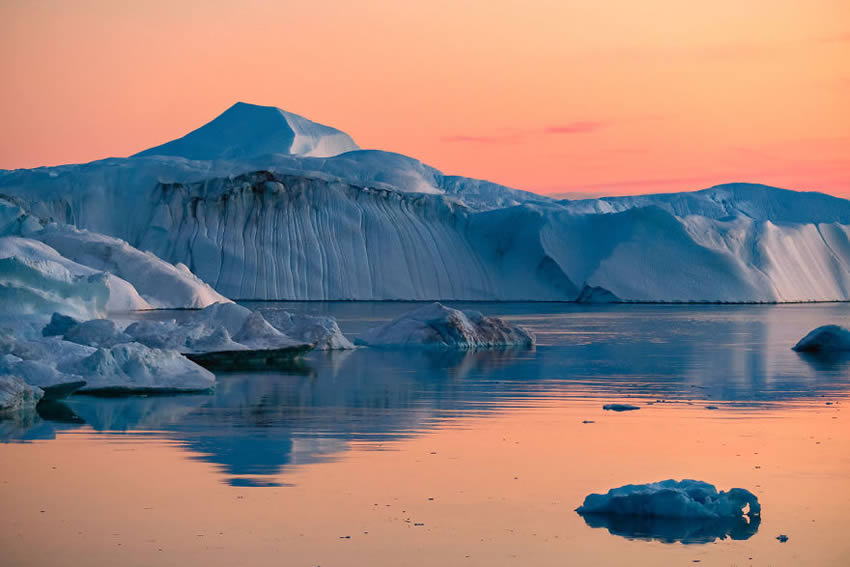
686 511
435 325
620 407
826 339
782 538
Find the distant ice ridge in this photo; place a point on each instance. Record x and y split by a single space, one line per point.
436 325
373 225
673 499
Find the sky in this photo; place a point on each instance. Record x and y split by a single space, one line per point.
576 97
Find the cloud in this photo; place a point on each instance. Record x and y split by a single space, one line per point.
581 127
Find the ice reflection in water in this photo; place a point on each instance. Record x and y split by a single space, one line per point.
257 424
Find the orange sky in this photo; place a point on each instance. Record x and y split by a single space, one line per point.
607 96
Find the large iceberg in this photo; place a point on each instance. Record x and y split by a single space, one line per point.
435 325
826 339
247 206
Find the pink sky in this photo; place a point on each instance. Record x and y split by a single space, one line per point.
601 97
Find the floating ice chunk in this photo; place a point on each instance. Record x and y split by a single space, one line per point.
829 338
620 407
99 333
228 315
317 330
436 325
132 367
673 499
257 333
16 394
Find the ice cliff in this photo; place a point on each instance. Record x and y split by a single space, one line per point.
260 204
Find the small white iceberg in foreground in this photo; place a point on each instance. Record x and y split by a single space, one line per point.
686 511
15 394
673 499
826 339
436 325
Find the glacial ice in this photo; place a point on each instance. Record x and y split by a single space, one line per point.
825 339
435 325
231 327
15 394
98 333
135 368
673 499
373 225
34 278
318 330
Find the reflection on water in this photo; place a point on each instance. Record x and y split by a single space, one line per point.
256 424
676 530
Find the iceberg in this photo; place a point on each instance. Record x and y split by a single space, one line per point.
686 511
260 204
435 325
135 368
15 394
673 499
318 330
825 339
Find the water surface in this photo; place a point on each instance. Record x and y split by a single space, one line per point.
448 458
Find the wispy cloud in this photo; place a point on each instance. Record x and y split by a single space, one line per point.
581 127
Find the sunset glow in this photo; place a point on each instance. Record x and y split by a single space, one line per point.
613 97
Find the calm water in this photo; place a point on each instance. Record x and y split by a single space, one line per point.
447 458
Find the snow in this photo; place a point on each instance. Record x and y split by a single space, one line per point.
15 394
133 367
673 499
435 325
248 130
829 338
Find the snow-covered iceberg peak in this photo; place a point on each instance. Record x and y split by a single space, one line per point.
248 130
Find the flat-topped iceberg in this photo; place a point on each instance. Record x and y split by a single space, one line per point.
435 325
16 394
826 339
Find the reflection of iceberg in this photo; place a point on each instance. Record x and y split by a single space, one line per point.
671 530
